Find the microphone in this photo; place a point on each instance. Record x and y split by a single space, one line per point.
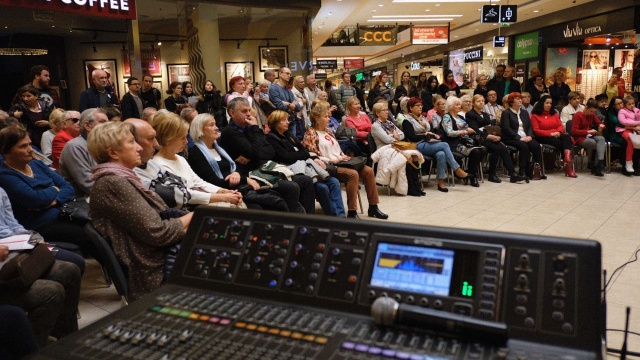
386 312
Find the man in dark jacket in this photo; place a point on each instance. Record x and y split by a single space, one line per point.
245 142
508 85
132 105
99 94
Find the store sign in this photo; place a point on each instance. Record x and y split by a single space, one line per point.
320 76
429 35
353 63
120 9
377 35
474 54
415 65
499 41
576 30
526 46
327 64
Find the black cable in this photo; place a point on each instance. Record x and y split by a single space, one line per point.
616 352
635 258
620 330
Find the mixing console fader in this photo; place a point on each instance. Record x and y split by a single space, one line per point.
261 285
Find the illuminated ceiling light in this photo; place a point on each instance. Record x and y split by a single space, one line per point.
23 51
535 11
412 20
412 16
428 10
380 5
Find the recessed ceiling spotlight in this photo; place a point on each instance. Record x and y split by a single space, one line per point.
320 27
437 4
535 11
428 10
374 10
456 36
381 5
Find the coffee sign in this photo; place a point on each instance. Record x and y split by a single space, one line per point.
120 9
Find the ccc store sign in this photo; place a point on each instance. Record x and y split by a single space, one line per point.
371 35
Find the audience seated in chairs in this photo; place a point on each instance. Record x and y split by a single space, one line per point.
584 132
459 135
417 129
75 161
396 168
360 121
56 119
548 129
614 137
171 132
516 130
140 226
321 142
51 302
210 162
479 121
629 119
246 144
37 192
289 151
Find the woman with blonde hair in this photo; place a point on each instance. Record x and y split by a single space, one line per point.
56 118
321 142
559 91
171 133
132 217
359 121
611 87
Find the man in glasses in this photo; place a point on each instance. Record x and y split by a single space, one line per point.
70 129
132 105
75 160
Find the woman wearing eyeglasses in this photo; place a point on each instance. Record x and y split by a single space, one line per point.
70 129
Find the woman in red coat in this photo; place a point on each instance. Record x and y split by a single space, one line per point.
549 130
584 131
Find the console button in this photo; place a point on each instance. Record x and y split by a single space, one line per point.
487 304
567 328
491 253
522 298
437 304
558 303
491 262
490 270
489 287
489 278
557 316
521 310
529 322
488 296
462 309
487 314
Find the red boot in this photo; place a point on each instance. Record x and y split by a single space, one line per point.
568 165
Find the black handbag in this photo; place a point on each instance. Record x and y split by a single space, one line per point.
76 210
345 133
356 163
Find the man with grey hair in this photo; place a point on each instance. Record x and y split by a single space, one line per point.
311 90
99 94
75 161
148 112
270 75
245 142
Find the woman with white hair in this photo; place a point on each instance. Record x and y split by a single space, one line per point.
459 134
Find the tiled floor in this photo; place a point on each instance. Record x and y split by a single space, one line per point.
603 209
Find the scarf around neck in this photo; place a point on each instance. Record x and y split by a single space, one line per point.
214 164
111 168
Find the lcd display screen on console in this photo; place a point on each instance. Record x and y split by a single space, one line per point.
416 269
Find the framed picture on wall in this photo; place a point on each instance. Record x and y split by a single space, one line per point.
272 57
244 69
178 72
158 85
108 65
595 59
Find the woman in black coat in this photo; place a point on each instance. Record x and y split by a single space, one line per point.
430 89
406 89
516 129
477 119
210 102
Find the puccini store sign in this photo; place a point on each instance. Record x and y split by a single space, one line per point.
121 9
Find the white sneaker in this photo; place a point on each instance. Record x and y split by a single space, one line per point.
629 166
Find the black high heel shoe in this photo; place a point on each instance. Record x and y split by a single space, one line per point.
474 181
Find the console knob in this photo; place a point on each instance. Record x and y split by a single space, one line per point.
257 259
199 252
309 289
397 297
331 269
424 301
362 241
335 251
524 261
410 299
348 295
294 264
239 244
288 282
356 261
315 266
299 247
317 256
371 294
233 223
437 304
313 276
268 227
223 255
303 230
282 252
246 267
262 242
276 271
256 276
278 262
